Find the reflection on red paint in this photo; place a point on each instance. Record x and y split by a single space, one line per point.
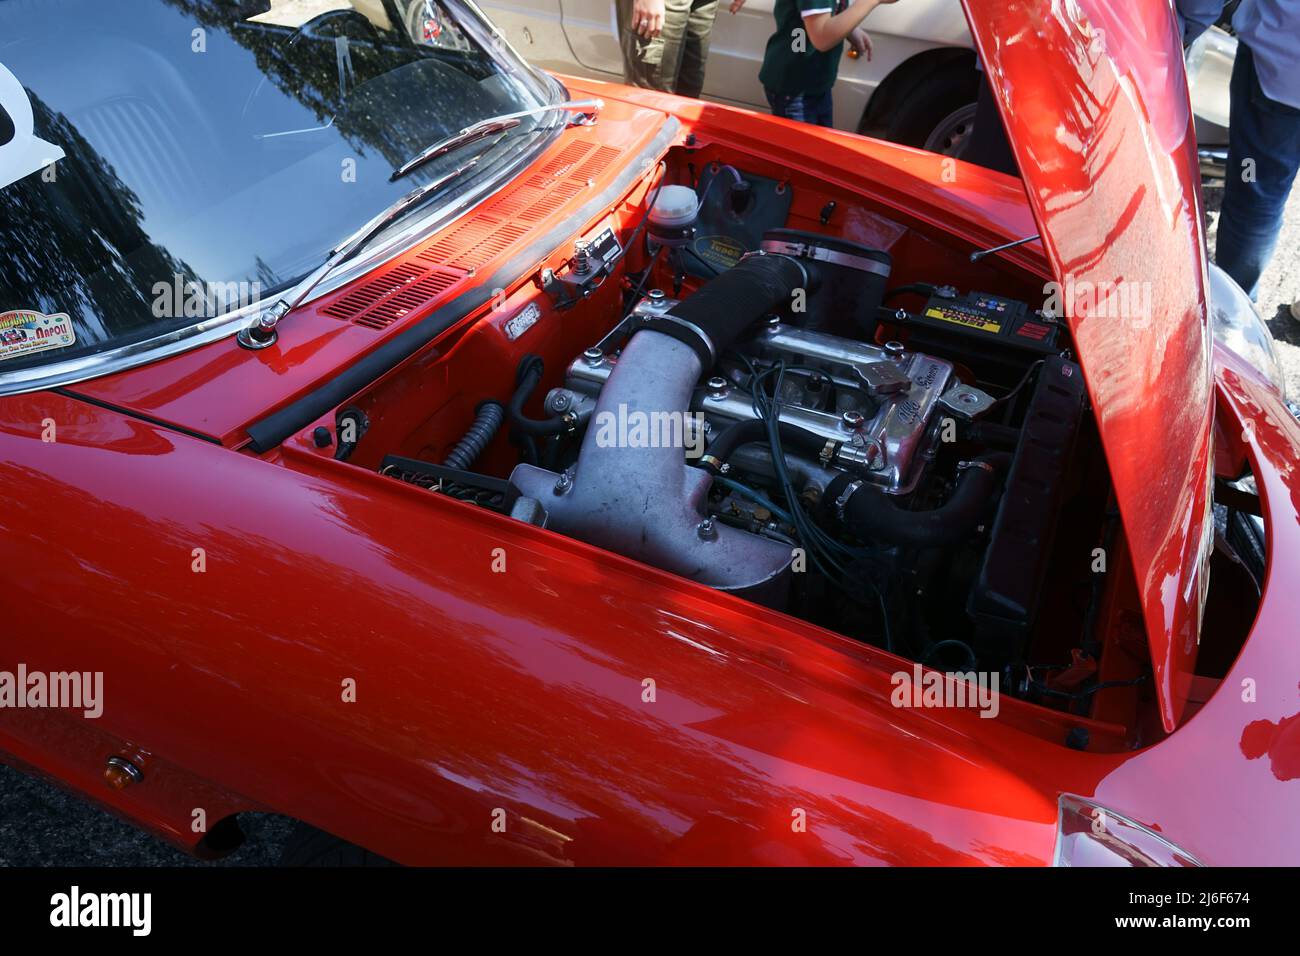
1279 741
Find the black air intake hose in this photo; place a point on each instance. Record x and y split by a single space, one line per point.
728 304
487 419
874 514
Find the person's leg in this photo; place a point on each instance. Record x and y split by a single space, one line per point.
653 64
789 107
695 47
636 71
822 109
1263 155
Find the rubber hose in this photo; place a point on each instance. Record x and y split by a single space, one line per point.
530 373
993 434
875 514
487 419
793 438
728 304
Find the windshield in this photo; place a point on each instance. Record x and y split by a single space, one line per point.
163 162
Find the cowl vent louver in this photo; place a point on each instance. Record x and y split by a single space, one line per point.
481 237
380 302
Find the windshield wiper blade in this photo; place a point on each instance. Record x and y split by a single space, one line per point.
261 332
586 111
471 134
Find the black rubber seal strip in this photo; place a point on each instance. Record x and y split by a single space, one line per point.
276 427
132 413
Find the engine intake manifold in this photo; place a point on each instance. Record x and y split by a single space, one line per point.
633 492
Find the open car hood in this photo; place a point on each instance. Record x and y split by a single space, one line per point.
1094 100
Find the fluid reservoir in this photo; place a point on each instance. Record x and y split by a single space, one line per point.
672 218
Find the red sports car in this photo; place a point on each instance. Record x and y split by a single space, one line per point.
484 467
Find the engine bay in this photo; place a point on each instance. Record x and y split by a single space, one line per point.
744 464
816 408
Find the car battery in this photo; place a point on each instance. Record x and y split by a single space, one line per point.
987 317
1001 336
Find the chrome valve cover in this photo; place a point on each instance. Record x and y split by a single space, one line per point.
878 402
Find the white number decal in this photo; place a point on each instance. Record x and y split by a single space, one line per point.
21 151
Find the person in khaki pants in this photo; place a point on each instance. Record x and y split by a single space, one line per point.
666 42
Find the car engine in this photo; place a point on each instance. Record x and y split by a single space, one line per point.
779 431
848 409
785 455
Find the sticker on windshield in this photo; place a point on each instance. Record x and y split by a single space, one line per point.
24 332
22 152
432 28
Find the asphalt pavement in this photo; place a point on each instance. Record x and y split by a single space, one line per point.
43 825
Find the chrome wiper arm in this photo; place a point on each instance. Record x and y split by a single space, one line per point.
470 134
586 110
261 332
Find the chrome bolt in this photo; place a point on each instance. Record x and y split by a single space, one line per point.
773 325
656 296
563 483
594 356
895 349
852 420
121 772
261 333
707 530
717 386
560 401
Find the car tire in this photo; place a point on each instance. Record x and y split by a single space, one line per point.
950 136
933 108
308 846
